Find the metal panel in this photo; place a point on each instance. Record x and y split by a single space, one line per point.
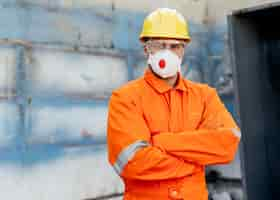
255 47
53 172
61 122
67 26
74 74
7 72
9 124
71 173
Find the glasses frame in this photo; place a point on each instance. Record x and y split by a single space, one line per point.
158 45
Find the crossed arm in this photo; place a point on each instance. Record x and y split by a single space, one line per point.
214 142
135 155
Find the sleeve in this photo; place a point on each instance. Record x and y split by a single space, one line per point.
129 149
214 142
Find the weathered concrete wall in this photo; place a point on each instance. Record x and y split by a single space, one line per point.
59 62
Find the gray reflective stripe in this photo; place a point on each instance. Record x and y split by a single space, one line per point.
236 132
127 154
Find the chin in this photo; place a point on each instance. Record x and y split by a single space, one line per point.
171 77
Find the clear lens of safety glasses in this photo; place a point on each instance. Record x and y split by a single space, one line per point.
162 45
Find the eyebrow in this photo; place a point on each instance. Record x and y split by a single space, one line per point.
169 41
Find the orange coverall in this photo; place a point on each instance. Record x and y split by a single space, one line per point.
161 138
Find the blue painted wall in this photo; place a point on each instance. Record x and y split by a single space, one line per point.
55 99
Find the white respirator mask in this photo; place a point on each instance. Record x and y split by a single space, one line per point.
165 63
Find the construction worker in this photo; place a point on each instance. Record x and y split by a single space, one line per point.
163 129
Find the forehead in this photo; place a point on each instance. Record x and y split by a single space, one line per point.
167 40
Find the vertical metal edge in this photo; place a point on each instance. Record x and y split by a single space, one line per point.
232 49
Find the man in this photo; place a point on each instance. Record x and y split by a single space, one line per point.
163 129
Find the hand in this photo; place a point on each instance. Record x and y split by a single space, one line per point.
236 132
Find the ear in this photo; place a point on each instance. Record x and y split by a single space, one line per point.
183 54
146 53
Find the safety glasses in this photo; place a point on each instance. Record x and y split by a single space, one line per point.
161 45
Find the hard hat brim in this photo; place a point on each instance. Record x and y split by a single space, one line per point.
145 38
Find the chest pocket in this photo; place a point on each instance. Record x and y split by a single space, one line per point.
194 112
156 123
156 117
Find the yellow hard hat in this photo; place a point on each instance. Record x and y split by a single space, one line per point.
165 23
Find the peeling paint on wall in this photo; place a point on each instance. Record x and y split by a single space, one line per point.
59 62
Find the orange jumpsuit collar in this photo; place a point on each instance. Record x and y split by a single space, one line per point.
160 85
